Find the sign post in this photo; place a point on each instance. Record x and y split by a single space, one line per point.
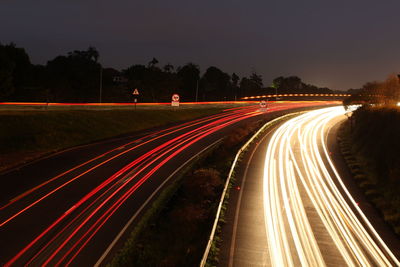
135 95
175 100
263 106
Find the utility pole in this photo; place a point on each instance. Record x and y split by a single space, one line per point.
236 88
197 89
101 83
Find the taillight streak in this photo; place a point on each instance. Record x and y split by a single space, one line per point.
122 200
133 164
119 173
177 128
95 167
232 116
142 180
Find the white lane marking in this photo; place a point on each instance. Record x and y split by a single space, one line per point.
236 219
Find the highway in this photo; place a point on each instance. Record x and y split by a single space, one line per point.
72 208
293 207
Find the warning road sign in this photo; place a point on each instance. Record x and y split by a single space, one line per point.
135 92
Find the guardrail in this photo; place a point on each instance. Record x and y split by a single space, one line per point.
211 238
294 95
121 104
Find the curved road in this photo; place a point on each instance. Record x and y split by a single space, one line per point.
70 208
293 207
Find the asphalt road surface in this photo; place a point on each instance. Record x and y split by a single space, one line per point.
292 208
72 208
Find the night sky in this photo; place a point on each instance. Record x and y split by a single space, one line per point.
338 44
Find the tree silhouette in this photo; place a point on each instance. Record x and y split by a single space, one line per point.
15 71
92 53
168 68
216 84
74 77
235 82
188 75
256 79
153 63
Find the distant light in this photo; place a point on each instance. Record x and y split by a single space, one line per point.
353 107
398 104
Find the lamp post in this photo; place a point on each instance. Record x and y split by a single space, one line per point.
101 84
276 91
349 115
197 89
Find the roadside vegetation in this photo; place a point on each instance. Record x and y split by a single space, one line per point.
370 144
75 77
175 231
371 149
28 135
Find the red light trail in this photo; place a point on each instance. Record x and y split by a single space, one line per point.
63 240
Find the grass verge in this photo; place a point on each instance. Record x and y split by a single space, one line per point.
26 135
176 229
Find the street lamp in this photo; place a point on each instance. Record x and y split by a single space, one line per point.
197 89
101 83
349 115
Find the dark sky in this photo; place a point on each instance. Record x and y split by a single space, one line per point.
338 44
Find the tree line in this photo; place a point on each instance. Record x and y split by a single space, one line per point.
384 93
79 77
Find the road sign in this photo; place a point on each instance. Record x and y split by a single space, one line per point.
175 97
135 94
263 104
175 100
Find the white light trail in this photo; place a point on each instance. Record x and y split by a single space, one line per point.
299 177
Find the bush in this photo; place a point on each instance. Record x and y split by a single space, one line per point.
371 193
360 177
366 185
375 144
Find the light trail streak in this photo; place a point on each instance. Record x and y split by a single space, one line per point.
63 240
177 148
201 131
168 131
103 157
299 176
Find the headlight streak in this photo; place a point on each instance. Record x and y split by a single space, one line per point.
315 181
290 236
360 212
